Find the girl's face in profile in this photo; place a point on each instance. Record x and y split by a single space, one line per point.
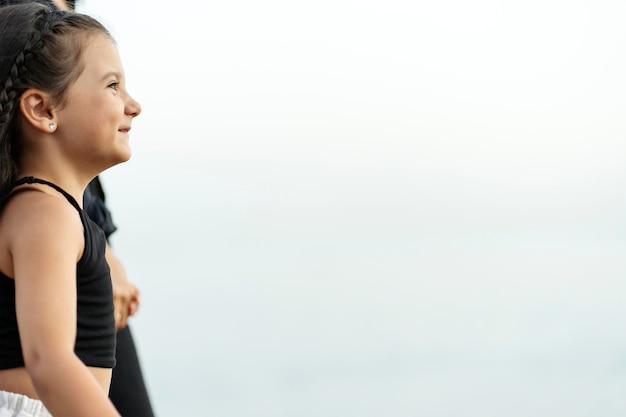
96 118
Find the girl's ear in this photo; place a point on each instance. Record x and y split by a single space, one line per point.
36 107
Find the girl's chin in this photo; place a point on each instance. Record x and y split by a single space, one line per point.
124 154
120 158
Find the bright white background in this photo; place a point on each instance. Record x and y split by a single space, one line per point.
357 208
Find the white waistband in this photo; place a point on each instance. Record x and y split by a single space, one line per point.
18 405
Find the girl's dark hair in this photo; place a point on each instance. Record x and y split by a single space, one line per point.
39 48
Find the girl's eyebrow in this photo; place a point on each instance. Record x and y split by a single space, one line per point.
113 74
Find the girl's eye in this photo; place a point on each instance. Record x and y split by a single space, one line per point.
114 85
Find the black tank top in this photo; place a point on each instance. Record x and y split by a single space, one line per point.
95 327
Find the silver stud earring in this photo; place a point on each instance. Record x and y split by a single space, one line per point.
52 126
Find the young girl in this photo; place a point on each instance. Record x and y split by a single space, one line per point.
65 116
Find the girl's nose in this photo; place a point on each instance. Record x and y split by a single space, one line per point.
133 107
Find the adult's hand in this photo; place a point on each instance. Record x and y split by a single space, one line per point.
125 294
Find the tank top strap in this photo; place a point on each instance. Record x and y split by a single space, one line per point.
33 180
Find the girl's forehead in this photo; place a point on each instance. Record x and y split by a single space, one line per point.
101 47
101 56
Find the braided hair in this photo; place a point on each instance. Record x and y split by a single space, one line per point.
40 47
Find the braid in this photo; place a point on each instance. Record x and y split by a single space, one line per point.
8 100
14 84
12 88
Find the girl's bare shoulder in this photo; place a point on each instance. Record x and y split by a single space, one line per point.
34 214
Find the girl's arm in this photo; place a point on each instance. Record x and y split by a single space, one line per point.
45 248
